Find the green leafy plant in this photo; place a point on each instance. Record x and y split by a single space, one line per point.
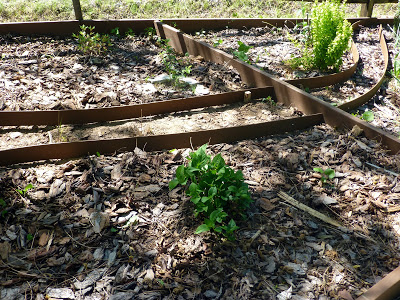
368 116
268 100
217 191
29 237
150 32
327 174
25 190
217 43
241 52
176 67
130 32
327 38
90 42
330 33
115 31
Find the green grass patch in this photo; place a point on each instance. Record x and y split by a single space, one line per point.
49 10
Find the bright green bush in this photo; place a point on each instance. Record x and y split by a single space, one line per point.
330 33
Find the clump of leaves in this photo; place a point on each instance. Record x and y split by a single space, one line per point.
174 65
219 193
327 174
329 37
90 42
241 52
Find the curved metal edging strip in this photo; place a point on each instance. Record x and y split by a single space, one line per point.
83 116
354 103
322 81
250 75
158 142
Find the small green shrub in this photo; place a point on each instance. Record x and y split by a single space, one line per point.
218 192
92 43
241 52
325 40
176 67
330 33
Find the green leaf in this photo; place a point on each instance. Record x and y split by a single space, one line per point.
173 183
232 225
29 237
204 199
319 170
180 175
218 161
330 173
3 203
214 214
368 116
113 230
202 228
212 191
193 189
28 187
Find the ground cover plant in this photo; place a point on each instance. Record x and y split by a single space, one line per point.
218 192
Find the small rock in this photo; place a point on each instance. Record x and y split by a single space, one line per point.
15 135
60 293
90 280
148 278
98 254
122 296
210 294
5 249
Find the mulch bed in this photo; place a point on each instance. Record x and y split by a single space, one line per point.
108 227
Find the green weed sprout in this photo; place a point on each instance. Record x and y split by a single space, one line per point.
327 174
218 192
176 67
25 190
241 52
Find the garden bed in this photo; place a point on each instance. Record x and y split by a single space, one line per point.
147 248
107 226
